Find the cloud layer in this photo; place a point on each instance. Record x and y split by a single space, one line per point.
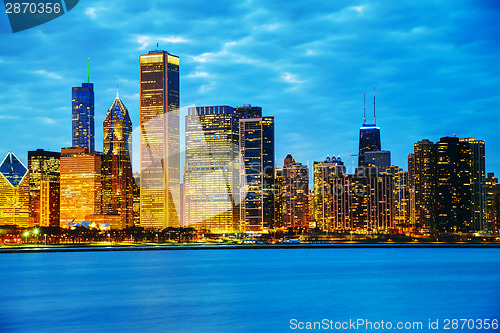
434 65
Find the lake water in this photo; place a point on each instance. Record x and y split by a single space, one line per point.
259 290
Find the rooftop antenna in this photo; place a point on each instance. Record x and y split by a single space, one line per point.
116 91
364 108
374 122
88 70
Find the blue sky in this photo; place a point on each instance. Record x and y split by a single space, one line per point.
435 65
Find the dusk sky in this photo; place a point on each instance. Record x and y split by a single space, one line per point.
435 65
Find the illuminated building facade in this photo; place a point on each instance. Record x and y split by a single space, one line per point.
452 186
14 192
380 159
211 185
49 203
117 180
331 196
83 116
401 198
43 166
257 173
492 205
278 190
80 185
424 179
472 157
362 202
369 140
294 194
159 155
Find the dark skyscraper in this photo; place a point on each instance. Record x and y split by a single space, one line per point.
423 171
369 136
83 116
117 181
257 172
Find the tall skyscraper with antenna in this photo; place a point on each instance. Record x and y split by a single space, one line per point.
369 134
83 134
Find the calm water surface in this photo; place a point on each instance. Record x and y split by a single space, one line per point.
257 290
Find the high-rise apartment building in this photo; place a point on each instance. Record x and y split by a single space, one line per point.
257 173
473 152
159 125
424 179
212 165
83 134
117 180
362 202
492 203
80 185
453 188
295 194
401 199
332 197
43 166
14 192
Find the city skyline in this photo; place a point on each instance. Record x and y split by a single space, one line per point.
432 75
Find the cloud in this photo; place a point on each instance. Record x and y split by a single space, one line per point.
47 120
290 78
51 75
148 41
198 75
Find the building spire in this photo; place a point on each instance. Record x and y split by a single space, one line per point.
88 70
116 91
374 122
364 108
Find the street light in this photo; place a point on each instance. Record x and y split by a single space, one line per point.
45 235
36 236
26 234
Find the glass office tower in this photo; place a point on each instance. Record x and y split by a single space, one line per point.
83 116
257 174
211 183
117 180
159 125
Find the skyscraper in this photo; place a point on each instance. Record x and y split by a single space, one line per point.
473 156
492 203
43 166
369 136
332 197
211 183
117 181
295 194
401 198
257 173
159 155
450 186
83 116
424 179
14 192
379 158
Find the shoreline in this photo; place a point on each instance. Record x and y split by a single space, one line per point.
183 247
